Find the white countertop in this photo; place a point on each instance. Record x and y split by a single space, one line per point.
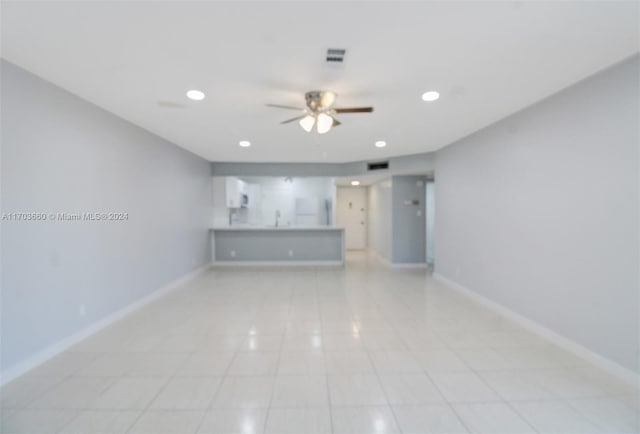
273 228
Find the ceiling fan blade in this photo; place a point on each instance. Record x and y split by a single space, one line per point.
335 122
354 110
297 118
288 107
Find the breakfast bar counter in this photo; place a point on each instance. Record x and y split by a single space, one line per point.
284 245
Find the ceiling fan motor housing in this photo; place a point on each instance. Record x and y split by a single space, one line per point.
319 111
319 100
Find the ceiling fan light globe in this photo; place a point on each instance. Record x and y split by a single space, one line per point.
307 123
325 122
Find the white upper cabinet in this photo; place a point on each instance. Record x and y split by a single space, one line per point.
236 196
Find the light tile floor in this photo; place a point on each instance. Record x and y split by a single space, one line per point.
354 350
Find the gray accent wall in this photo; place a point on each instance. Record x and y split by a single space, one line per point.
63 154
408 220
540 213
380 214
430 220
397 230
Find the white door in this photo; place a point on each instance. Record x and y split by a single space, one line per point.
352 216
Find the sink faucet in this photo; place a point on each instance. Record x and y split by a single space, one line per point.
277 217
230 216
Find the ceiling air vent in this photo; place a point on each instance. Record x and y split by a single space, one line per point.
380 165
335 55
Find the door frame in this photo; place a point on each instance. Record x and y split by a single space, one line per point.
365 216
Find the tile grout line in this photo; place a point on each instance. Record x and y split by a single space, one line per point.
375 369
508 403
453 350
277 365
171 377
359 294
162 388
324 362
113 380
478 374
217 392
446 403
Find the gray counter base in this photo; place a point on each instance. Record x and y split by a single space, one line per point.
286 247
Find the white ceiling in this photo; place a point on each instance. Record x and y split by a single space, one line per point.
487 59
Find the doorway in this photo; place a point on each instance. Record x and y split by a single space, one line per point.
351 214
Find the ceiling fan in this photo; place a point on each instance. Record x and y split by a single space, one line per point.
319 111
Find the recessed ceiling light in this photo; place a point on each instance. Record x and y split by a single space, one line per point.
244 143
355 183
432 95
381 144
196 95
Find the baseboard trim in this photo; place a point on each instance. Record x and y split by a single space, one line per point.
409 265
53 350
278 264
624 374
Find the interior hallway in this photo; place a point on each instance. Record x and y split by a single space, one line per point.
363 348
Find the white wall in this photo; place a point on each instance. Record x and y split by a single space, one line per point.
277 196
63 154
280 194
540 213
379 237
219 204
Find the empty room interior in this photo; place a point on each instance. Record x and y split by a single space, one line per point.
319 217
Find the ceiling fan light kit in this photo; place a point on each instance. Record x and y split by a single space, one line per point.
319 111
325 122
307 123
